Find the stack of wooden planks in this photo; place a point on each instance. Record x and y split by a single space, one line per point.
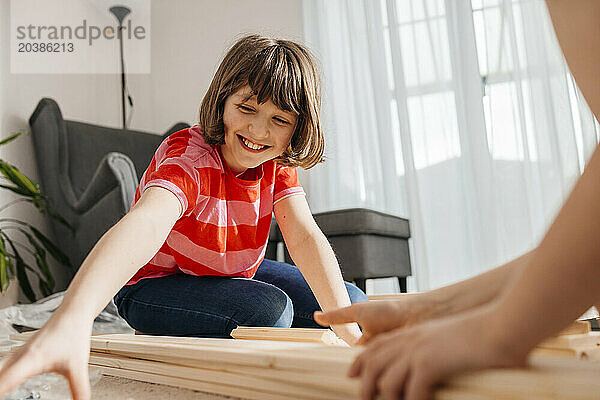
253 369
263 369
577 341
308 368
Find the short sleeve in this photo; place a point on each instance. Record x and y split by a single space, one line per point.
286 183
172 168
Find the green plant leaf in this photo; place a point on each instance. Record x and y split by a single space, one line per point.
3 275
39 203
16 177
58 217
47 243
11 138
5 254
21 274
44 288
33 271
17 190
3 267
52 249
40 260
42 204
24 247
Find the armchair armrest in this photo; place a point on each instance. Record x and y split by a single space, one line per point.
115 170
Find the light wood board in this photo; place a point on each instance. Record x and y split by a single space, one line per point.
288 334
221 377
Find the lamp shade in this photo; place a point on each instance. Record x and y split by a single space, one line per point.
120 12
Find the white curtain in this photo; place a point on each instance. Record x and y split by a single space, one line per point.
459 115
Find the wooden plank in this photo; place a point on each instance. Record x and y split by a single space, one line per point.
206 387
313 356
296 389
332 380
212 342
579 341
307 349
558 364
287 334
567 353
447 393
544 382
591 354
455 393
577 327
337 359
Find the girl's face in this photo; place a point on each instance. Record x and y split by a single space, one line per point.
254 133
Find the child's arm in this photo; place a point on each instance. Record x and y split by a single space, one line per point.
62 345
313 255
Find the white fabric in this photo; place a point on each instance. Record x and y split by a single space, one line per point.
461 117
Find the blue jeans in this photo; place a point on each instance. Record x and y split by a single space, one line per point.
212 306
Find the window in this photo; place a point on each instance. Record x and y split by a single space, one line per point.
424 54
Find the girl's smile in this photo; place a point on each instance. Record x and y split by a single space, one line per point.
254 133
252 146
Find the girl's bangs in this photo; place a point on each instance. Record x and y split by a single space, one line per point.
276 76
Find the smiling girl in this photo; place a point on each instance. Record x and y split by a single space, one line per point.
227 175
191 249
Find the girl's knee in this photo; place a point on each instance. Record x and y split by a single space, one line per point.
356 295
274 309
286 316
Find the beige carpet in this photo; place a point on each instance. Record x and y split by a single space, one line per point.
55 387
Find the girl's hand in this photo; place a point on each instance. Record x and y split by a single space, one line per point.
62 346
375 317
411 361
349 333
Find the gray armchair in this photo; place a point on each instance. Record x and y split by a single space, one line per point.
88 172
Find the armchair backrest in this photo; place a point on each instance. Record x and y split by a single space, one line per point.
70 156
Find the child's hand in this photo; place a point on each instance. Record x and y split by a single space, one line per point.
413 360
375 317
62 347
349 333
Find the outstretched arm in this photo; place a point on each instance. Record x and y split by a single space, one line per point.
314 257
128 245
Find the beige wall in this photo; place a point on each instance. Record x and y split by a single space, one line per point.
188 39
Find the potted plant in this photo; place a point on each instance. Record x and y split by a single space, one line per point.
33 242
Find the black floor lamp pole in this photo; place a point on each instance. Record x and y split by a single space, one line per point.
122 76
121 12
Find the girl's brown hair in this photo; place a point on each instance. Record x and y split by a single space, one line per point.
278 70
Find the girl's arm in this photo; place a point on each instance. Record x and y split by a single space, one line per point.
62 345
121 252
313 255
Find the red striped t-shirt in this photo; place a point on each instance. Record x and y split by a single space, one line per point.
224 226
